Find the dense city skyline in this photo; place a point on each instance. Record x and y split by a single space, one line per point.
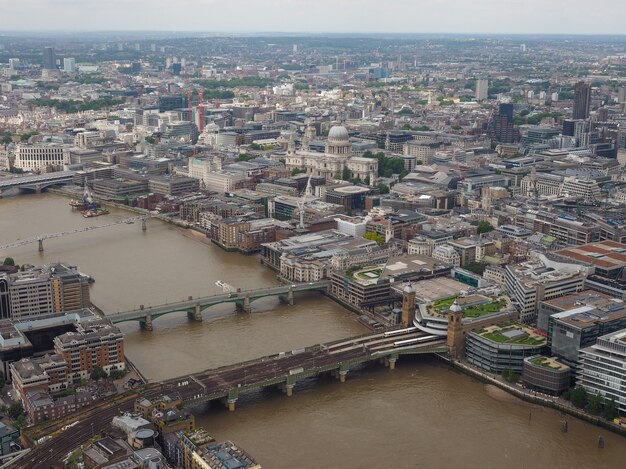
352 16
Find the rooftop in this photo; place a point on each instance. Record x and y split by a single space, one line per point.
607 255
511 334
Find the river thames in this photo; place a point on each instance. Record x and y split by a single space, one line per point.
420 415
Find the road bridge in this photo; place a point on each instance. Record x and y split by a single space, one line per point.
42 237
194 307
285 370
36 182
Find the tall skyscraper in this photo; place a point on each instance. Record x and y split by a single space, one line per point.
482 89
582 100
621 94
49 58
69 64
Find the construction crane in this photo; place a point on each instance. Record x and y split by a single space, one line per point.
189 94
307 191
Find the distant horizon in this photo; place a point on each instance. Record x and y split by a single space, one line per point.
508 17
268 33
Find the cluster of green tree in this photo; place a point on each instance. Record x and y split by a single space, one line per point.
151 140
42 85
90 79
387 166
245 157
6 138
301 86
218 94
296 171
593 403
485 227
418 128
535 118
445 102
374 237
25 136
251 82
476 267
383 188
98 373
466 99
499 86
72 106
510 376
8 261
456 127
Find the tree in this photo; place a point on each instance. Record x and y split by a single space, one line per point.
594 404
8 261
15 411
510 376
117 374
485 227
150 140
579 397
374 237
2 382
296 171
345 174
476 267
98 373
6 139
610 410
383 188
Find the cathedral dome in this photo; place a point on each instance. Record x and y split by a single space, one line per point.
338 133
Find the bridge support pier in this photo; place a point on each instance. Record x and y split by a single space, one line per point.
40 245
246 304
392 363
144 227
231 404
342 376
146 324
196 314
289 389
288 298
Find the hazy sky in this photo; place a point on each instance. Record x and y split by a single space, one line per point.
416 16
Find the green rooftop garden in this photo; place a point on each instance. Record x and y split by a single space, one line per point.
497 335
443 304
482 310
545 362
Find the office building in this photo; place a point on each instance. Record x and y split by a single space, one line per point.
540 279
49 58
69 64
603 368
546 374
582 100
40 156
48 289
501 348
482 89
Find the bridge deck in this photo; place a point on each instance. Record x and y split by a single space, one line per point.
288 368
206 301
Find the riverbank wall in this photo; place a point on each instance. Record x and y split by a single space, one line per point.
532 398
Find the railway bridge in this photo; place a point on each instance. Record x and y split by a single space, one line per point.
286 369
